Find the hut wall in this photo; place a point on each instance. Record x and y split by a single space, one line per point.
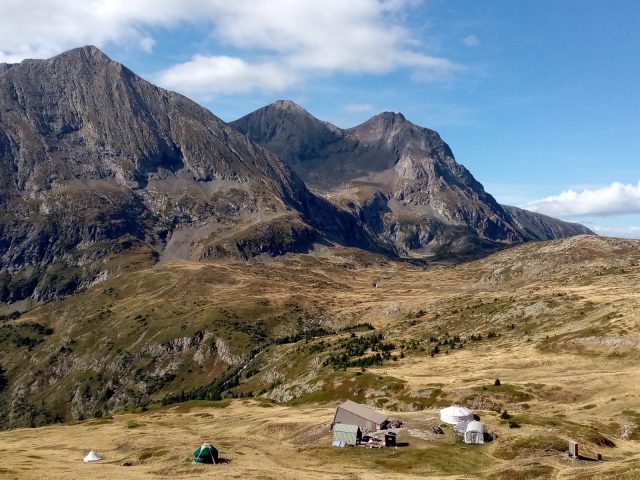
349 438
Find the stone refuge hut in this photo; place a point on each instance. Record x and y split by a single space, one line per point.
352 413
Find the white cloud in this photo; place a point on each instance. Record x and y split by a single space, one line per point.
297 38
471 41
203 75
42 28
359 108
615 199
147 44
354 35
626 232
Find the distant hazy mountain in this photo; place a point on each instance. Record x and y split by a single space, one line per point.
95 161
401 179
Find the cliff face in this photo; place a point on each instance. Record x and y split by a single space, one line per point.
97 164
95 159
401 179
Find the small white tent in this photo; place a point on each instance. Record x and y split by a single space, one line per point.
456 414
92 456
474 433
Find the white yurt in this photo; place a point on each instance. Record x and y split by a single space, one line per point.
92 456
456 414
474 433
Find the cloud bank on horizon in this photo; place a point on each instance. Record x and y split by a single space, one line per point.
279 42
614 199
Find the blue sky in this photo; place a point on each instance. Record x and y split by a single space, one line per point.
535 97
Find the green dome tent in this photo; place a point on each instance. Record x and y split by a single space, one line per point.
205 454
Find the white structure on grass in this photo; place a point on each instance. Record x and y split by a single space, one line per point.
474 433
456 414
92 456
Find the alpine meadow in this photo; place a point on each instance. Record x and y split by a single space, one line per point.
265 294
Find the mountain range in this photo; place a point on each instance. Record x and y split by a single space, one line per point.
400 179
97 165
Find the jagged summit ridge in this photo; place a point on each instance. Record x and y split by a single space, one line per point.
401 177
91 154
287 105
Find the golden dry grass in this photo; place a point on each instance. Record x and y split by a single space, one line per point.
567 315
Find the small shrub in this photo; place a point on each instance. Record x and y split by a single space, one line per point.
3 378
602 441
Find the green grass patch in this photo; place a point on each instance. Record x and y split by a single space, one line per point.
264 402
542 443
422 399
133 424
186 407
100 421
459 459
529 472
507 391
151 453
531 445
343 385
539 421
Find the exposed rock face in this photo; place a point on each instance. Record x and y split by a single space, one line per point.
543 227
401 179
94 160
97 163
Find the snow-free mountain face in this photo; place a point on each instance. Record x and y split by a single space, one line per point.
101 170
95 161
401 179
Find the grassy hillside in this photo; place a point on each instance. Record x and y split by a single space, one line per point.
556 322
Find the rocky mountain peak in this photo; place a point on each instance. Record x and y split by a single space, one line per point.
287 105
89 52
388 118
401 178
87 56
285 127
91 153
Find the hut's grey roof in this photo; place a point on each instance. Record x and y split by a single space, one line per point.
343 427
363 411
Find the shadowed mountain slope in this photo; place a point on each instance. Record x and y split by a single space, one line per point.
94 159
401 179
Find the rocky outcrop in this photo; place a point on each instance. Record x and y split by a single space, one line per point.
100 381
542 227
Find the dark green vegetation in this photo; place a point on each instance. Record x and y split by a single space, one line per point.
162 336
3 378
